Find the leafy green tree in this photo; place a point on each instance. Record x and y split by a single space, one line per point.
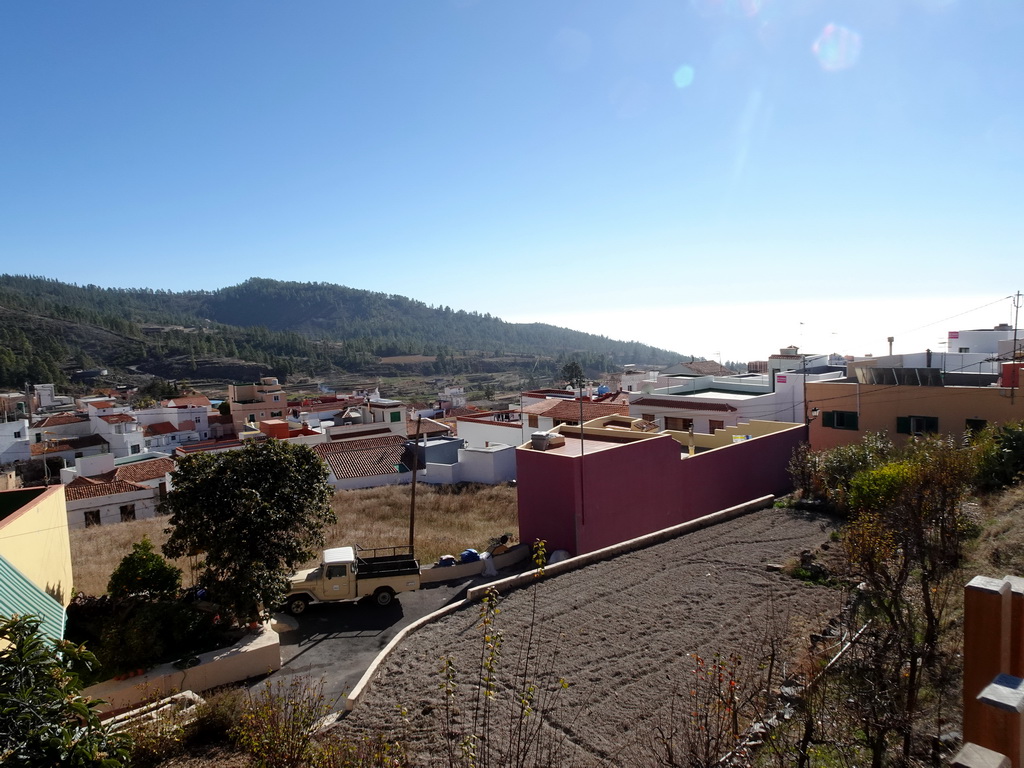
572 373
44 719
254 514
144 572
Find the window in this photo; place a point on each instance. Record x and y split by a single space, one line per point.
277 398
17 435
963 350
92 517
916 425
974 426
713 425
136 448
840 419
396 416
532 421
127 512
335 571
275 414
681 425
252 418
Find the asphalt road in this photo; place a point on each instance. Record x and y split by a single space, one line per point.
338 642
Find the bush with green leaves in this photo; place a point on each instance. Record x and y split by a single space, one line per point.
825 476
44 718
1001 450
135 633
144 572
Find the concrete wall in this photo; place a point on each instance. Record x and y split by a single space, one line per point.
491 465
255 655
879 405
479 434
643 485
14 448
353 483
110 507
34 539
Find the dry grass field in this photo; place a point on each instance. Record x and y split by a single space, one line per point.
448 520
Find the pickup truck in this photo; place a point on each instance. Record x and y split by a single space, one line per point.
347 574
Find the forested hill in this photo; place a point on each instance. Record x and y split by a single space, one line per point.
46 325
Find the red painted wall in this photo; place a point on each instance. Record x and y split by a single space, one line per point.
636 488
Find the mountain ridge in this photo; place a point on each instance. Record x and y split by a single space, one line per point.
286 325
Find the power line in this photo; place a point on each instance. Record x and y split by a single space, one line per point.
951 317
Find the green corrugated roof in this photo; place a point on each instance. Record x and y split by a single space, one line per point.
19 595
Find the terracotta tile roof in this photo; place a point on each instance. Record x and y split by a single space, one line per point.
209 445
324 407
570 411
186 426
541 408
65 444
80 488
159 428
362 433
428 427
151 469
218 418
186 400
118 418
99 404
58 420
363 458
467 410
683 405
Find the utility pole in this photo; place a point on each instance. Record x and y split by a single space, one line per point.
1013 350
412 503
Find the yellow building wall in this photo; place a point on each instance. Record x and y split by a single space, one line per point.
34 539
879 405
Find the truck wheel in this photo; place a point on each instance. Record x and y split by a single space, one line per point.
296 605
383 597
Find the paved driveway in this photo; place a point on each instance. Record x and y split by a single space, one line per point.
338 642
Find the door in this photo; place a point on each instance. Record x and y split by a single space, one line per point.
336 583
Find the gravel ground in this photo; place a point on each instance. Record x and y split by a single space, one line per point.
619 632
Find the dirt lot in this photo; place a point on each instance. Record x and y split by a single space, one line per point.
620 633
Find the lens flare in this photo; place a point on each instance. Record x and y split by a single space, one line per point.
837 48
683 77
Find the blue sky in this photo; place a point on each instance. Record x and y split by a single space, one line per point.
714 176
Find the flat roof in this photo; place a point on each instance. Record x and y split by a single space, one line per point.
590 445
711 394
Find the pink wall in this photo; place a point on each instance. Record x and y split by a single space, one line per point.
640 487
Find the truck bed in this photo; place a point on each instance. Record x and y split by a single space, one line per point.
385 561
374 569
